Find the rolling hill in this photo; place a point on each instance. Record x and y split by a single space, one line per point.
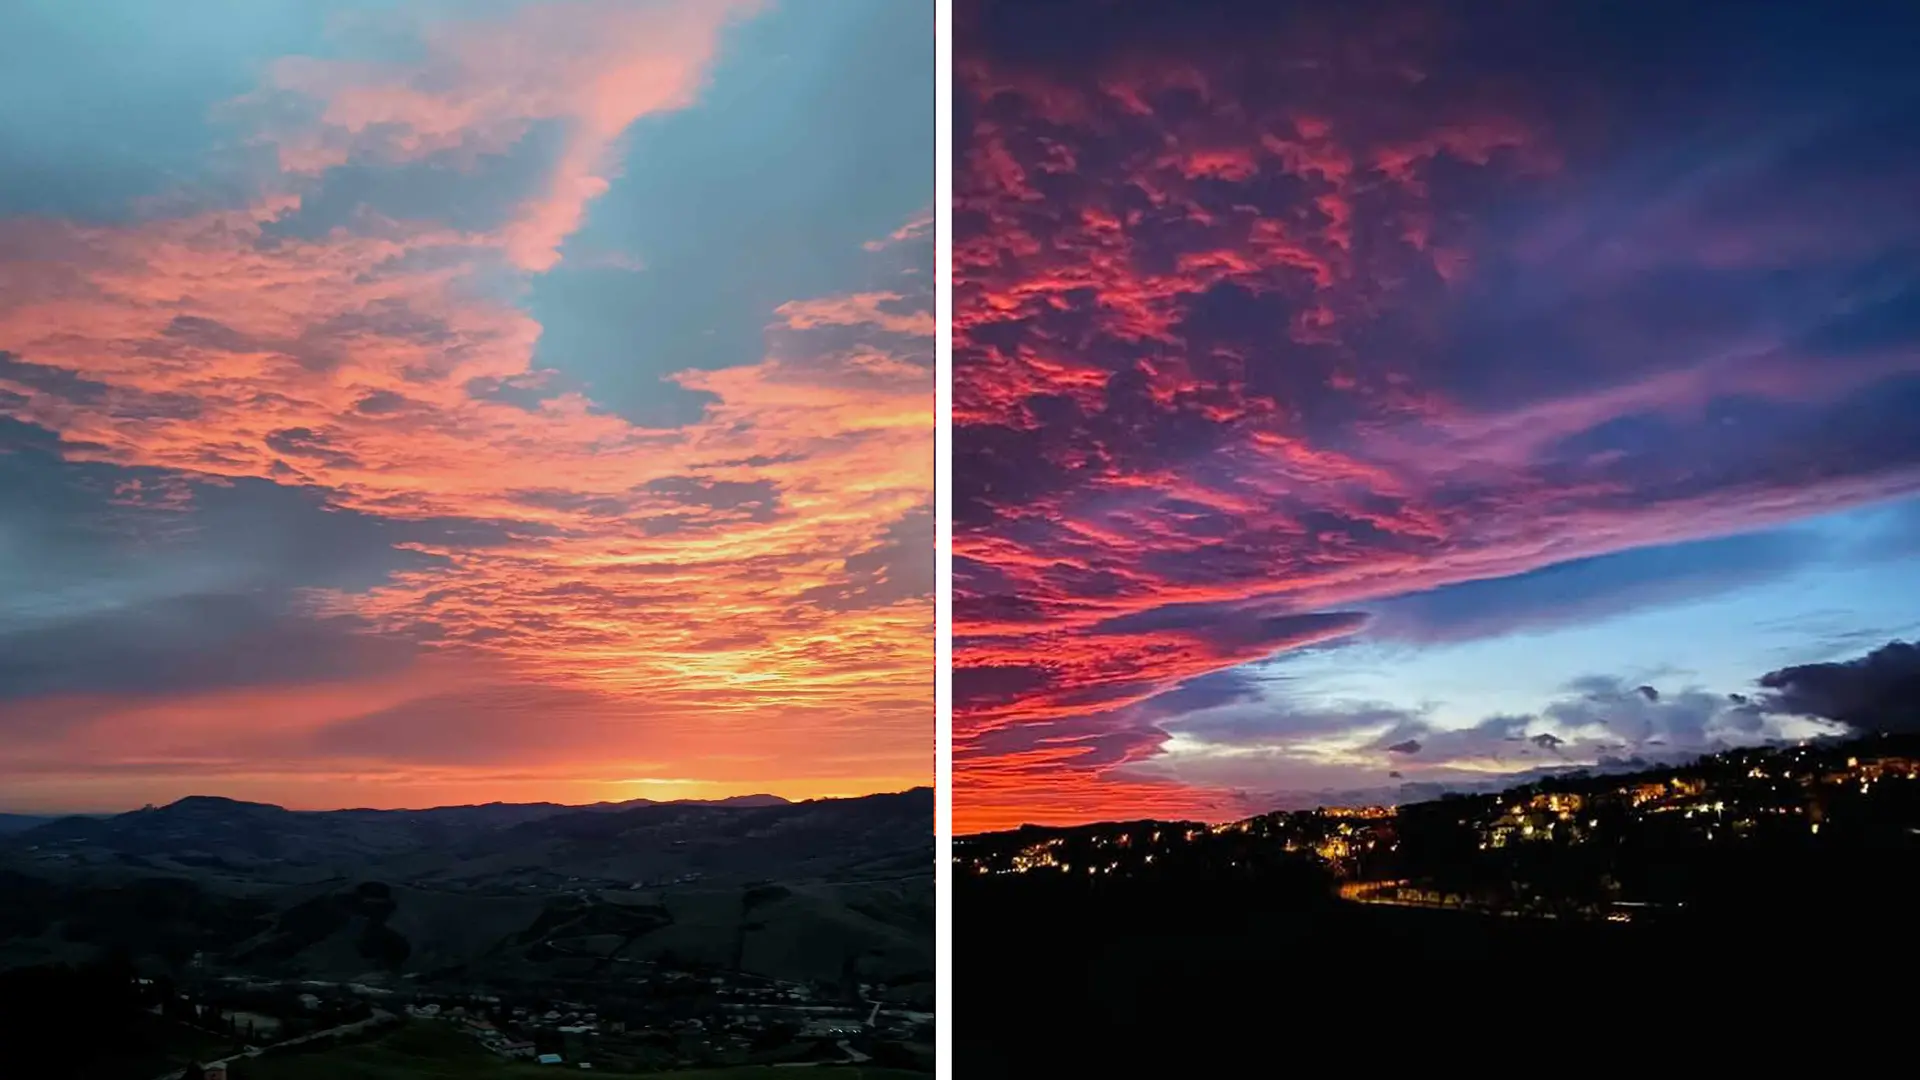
760 885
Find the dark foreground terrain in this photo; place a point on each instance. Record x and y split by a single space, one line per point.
782 890
1754 908
633 938
1054 981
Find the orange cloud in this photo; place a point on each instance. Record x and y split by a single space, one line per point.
672 579
856 309
920 228
595 65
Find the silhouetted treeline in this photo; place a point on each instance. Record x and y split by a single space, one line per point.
95 1021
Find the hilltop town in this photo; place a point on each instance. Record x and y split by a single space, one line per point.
1575 845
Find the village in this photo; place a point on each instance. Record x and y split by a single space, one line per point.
664 1019
1811 793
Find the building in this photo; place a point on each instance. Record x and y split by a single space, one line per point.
548 1059
518 1048
831 1028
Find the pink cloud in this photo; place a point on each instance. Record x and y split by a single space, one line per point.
594 65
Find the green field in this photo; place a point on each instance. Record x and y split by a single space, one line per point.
417 1051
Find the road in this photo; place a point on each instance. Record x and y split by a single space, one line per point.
380 1016
879 1009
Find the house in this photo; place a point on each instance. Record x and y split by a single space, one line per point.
309 1001
829 1028
519 1048
548 1059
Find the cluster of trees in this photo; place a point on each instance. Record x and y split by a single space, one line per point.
90 1019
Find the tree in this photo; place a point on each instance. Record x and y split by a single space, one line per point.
850 979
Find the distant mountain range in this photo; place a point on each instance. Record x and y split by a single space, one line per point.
639 842
470 811
13 823
785 888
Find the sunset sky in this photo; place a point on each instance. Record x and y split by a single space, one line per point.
1359 400
411 403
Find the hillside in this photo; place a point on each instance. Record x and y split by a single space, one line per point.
786 890
618 843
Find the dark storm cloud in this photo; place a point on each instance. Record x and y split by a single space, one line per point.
1467 315
1876 692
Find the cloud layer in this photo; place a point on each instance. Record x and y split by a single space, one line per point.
1266 315
744 597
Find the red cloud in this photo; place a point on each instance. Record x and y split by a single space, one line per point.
1314 313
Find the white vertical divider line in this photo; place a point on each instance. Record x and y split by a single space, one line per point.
943 536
